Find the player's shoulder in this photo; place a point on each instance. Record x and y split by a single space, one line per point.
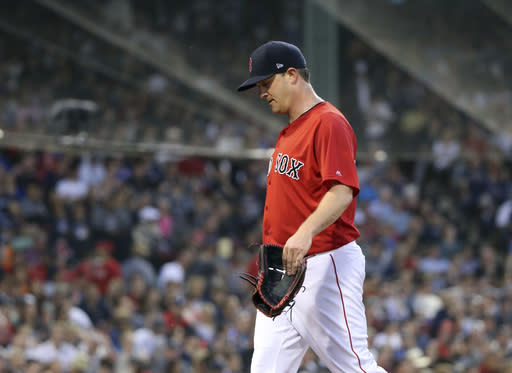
330 115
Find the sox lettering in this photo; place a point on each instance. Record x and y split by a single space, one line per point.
288 166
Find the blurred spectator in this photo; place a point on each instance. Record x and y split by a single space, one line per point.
445 150
100 268
58 348
71 188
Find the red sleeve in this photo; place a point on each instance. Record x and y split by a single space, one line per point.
335 151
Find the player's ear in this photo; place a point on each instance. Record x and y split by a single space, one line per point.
292 75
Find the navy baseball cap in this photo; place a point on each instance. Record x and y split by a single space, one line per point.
272 58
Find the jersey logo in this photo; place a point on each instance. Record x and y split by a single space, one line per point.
285 165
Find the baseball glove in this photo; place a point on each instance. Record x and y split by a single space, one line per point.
274 290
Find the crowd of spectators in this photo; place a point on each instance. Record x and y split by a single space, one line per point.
125 264
389 109
118 264
46 59
389 103
435 41
129 264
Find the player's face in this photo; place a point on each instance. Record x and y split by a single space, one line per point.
274 91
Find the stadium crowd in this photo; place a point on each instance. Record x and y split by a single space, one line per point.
112 264
49 59
130 264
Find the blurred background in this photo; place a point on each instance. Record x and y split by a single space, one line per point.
132 178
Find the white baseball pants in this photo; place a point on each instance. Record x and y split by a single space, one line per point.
328 316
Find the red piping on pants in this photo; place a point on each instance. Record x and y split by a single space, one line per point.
345 314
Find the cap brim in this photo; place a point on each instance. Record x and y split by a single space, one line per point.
251 82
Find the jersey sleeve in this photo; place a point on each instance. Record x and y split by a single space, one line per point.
335 151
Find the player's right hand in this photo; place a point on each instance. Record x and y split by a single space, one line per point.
294 250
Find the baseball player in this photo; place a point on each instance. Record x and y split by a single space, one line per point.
309 209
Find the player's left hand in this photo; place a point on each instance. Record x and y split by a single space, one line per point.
294 250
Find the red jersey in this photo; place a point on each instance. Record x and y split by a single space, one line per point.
315 149
100 272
